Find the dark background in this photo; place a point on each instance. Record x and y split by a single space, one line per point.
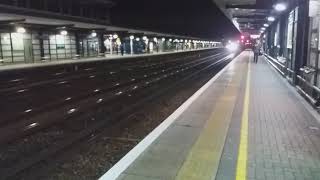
197 18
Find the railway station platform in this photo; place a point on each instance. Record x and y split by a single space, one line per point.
106 57
246 123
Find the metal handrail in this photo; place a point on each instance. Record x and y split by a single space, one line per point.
272 61
309 84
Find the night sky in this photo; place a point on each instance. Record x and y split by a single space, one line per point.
197 18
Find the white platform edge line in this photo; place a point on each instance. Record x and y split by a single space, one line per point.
304 102
132 155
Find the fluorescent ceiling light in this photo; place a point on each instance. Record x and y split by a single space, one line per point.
280 7
271 18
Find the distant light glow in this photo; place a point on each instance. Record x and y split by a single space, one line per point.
132 37
72 111
137 39
21 30
32 125
28 110
232 46
144 38
64 32
94 34
163 39
242 37
280 7
266 25
254 36
118 93
21 90
271 18
115 36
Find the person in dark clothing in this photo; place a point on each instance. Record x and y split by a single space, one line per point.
122 49
256 52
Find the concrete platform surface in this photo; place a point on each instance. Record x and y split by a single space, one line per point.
107 57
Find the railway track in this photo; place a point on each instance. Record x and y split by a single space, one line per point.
100 110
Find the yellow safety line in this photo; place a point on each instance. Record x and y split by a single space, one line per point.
203 160
241 171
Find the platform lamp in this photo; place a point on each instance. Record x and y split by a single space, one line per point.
271 18
93 33
131 44
111 44
21 30
64 32
144 38
115 36
280 7
163 44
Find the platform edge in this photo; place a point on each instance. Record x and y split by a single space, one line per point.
132 155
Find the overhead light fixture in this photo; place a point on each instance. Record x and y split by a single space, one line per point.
137 39
271 18
115 36
21 30
266 25
263 28
144 38
94 34
131 37
64 32
163 39
155 39
280 7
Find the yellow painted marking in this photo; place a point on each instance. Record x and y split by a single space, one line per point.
241 171
203 160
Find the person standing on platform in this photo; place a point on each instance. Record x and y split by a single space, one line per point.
256 52
122 49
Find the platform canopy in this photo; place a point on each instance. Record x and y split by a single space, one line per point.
249 16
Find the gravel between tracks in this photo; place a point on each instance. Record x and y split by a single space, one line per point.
94 157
